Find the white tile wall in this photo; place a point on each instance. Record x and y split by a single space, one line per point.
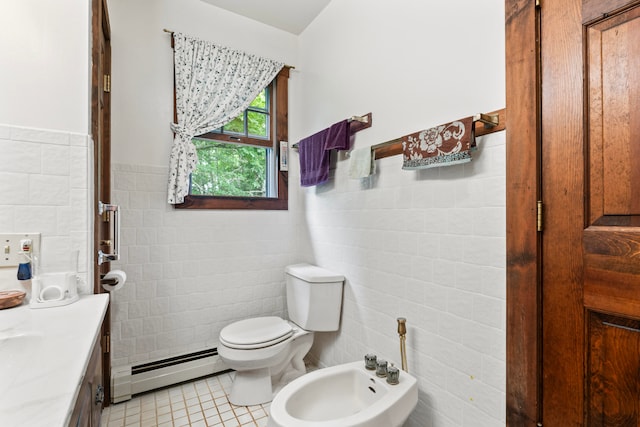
428 246
44 187
190 272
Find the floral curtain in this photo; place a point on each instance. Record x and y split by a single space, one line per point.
214 84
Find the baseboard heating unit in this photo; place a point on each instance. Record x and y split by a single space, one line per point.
127 381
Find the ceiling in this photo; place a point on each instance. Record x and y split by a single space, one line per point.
288 15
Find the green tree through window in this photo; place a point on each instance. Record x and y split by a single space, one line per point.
236 168
229 170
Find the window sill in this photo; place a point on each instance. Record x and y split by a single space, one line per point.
218 202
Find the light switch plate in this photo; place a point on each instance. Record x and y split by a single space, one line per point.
10 247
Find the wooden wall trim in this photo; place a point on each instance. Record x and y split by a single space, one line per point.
523 403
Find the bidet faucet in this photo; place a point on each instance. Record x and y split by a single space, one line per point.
402 331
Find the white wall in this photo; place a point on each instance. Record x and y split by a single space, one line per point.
142 69
44 188
44 122
189 272
427 245
45 64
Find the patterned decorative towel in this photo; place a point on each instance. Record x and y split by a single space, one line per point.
443 145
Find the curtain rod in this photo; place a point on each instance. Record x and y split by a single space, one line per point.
171 32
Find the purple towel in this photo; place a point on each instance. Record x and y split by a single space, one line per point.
314 159
339 137
315 155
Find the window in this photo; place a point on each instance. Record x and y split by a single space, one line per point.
228 169
238 163
236 159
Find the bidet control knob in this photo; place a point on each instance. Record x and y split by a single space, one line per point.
370 361
381 370
393 375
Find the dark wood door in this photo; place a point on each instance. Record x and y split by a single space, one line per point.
101 134
590 185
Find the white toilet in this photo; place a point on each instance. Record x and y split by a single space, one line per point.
268 352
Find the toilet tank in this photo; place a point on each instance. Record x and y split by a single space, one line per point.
314 297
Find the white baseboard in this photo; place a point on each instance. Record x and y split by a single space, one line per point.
124 384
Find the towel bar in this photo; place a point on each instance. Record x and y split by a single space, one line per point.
361 119
489 120
494 121
356 124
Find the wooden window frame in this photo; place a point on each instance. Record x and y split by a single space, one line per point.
281 98
255 141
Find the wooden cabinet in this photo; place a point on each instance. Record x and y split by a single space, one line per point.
88 407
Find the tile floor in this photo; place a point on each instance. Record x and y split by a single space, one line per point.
202 403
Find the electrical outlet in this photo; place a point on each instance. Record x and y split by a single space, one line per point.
10 248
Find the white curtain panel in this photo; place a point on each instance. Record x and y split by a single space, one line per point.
214 84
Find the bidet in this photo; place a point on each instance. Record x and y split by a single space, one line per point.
346 395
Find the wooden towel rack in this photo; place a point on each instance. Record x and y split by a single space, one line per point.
494 121
356 124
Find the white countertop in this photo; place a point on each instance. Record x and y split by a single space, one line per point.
43 357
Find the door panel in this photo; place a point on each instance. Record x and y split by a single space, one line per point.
612 270
611 242
590 171
613 375
614 114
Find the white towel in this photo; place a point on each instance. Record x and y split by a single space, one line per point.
361 164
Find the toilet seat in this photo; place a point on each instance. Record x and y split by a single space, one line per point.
256 333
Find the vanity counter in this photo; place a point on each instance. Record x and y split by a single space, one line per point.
44 354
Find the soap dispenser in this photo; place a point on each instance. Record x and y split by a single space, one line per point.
25 272
24 268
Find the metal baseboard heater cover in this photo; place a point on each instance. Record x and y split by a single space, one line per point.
127 381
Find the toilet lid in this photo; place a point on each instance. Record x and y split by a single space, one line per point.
256 332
